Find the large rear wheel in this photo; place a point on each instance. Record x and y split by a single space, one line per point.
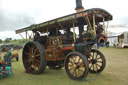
34 57
76 66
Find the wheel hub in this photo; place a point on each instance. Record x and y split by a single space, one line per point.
76 65
94 61
32 58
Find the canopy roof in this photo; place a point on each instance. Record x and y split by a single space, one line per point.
66 21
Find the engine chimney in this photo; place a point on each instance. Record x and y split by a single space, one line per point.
79 6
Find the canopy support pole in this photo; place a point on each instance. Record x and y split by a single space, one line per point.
47 32
29 36
21 35
104 27
26 35
57 31
60 25
106 31
94 29
74 32
32 34
88 22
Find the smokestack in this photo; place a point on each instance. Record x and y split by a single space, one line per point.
79 6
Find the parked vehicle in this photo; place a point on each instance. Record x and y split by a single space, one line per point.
54 49
14 50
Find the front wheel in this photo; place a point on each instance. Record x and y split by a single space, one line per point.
76 66
97 61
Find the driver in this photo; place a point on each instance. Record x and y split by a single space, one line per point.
37 35
55 33
68 36
99 30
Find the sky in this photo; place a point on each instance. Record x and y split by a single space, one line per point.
16 14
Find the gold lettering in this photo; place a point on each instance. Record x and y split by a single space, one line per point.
84 14
79 15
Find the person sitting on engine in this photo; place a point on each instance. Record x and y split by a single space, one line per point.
37 36
68 36
55 33
99 30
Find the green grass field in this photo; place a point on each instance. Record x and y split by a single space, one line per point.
115 73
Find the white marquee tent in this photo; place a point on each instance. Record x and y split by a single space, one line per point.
113 34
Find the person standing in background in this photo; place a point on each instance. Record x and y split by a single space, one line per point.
7 56
0 56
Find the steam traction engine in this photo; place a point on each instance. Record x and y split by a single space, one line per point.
56 43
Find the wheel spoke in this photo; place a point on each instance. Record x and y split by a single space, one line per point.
96 68
74 58
35 51
79 59
80 70
36 64
70 61
93 56
96 56
99 61
29 54
30 68
28 61
82 64
89 62
75 72
70 69
70 65
37 55
36 60
36 68
29 47
98 65
93 67
79 73
32 50
89 58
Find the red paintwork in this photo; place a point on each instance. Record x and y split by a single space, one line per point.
67 48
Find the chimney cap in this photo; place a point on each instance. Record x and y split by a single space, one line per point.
79 5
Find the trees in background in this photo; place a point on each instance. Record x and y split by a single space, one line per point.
7 40
1 41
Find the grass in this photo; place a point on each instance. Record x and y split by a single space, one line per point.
115 73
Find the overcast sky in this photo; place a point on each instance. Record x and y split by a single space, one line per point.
15 14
